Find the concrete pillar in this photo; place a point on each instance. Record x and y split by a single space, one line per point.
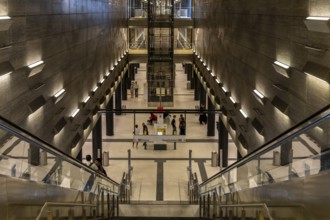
124 87
197 88
109 118
211 119
118 99
285 153
188 68
131 71
79 156
202 96
193 78
223 143
34 155
97 139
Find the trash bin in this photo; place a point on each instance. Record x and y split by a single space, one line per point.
214 159
106 158
43 158
276 158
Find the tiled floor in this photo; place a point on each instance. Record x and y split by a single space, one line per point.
172 164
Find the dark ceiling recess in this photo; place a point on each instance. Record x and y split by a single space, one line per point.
37 103
87 123
224 110
258 126
232 124
75 140
243 141
59 125
281 105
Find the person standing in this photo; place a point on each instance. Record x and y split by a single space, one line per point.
173 123
100 169
145 132
90 181
182 125
136 88
136 132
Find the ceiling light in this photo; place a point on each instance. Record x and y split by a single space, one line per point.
318 24
107 74
232 99
318 18
86 99
259 94
282 65
75 113
212 74
218 81
224 89
5 18
94 90
243 113
282 68
33 65
59 93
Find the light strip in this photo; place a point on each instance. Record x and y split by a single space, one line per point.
112 68
208 69
232 99
94 90
243 113
218 81
5 17
212 74
102 80
318 18
281 65
86 99
204 64
259 94
224 89
59 93
31 66
107 74
75 113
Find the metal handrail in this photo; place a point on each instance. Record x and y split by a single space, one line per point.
61 204
263 205
296 130
36 141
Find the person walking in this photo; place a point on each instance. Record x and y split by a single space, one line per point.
173 123
100 170
136 88
136 132
145 132
182 125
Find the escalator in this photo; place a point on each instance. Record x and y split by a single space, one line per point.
287 178
38 181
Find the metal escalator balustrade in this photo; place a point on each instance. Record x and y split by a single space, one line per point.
289 175
39 172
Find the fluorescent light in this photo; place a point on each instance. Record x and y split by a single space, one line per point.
59 93
5 17
243 113
75 113
318 18
86 99
224 89
282 65
232 99
218 81
31 66
259 94
94 90
107 74
212 74
102 80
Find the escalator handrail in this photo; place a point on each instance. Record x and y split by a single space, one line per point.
36 141
273 143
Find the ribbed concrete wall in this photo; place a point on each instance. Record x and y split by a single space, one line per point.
240 40
79 40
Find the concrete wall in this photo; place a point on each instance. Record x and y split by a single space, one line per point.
240 40
79 41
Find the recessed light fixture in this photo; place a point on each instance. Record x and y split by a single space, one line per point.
75 113
112 68
318 18
59 93
5 18
208 69
318 24
35 68
259 94
107 74
212 74
282 68
243 113
101 81
94 90
218 81
232 100
86 99
33 65
204 64
224 89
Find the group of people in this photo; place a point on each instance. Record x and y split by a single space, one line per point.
137 132
182 125
134 89
97 167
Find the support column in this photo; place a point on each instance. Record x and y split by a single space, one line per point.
197 88
202 95
109 118
34 155
97 139
223 143
188 68
193 78
131 71
118 99
211 119
286 155
124 87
